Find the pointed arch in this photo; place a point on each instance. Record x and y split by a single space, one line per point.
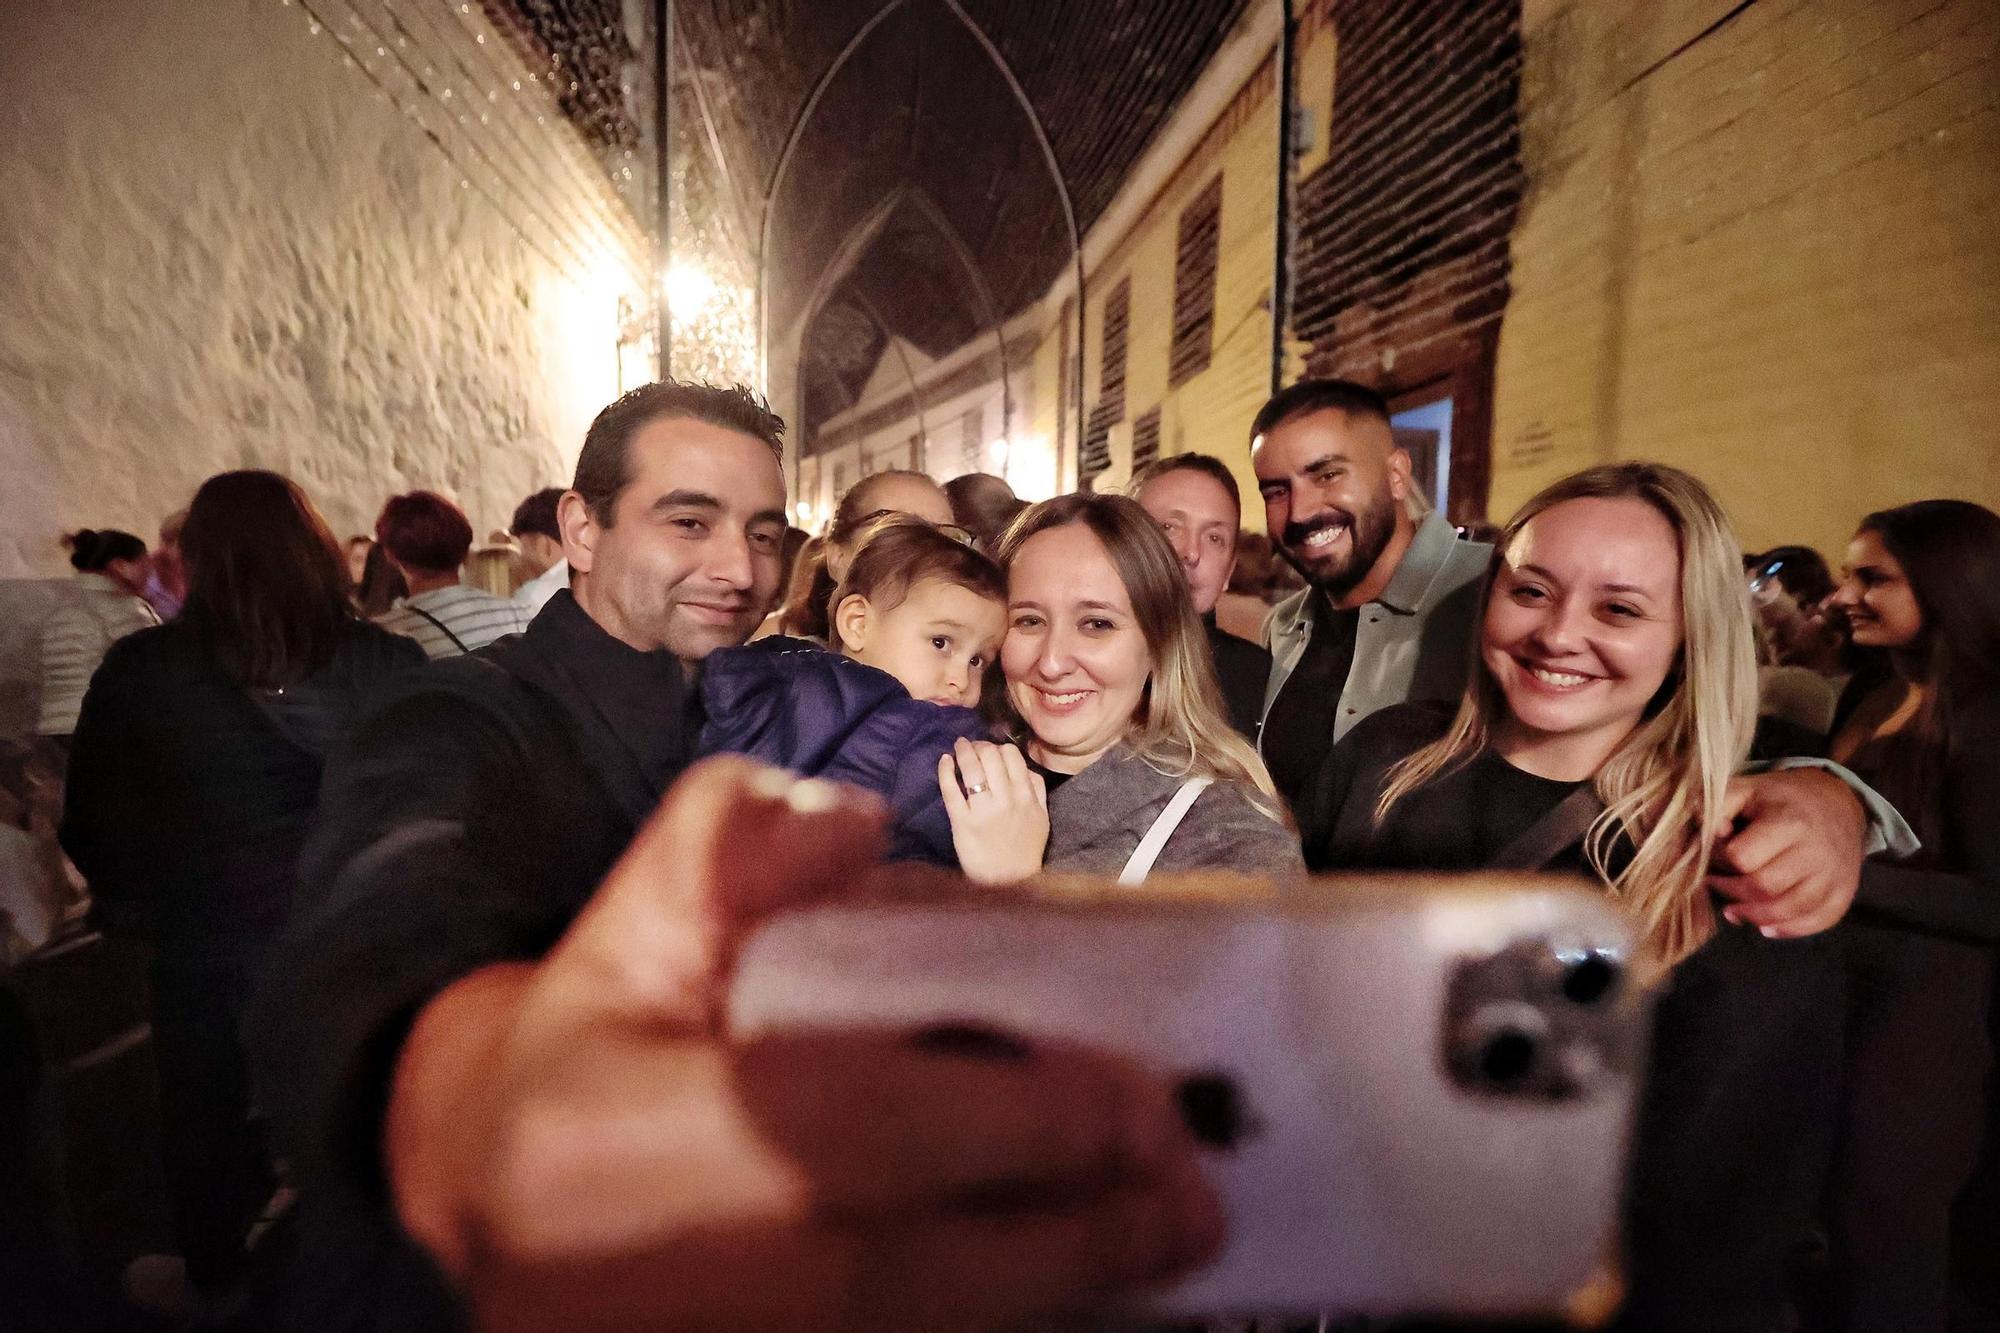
1042 142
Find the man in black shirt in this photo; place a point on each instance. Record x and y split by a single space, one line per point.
1194 499
490 1045
1301 718
1390 599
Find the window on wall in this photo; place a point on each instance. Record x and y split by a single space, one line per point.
1199 246
1110 409
1421 423
1111 367
1145 439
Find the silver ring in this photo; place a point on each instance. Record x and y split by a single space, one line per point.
975 788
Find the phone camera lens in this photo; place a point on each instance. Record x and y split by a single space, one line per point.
1213 1109
1588 979
1507 1056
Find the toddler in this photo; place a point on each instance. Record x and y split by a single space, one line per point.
914 627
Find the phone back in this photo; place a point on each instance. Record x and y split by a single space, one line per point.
1416 1093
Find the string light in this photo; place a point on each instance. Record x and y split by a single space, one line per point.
521 163
588 56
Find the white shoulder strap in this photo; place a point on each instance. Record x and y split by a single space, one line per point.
1148 850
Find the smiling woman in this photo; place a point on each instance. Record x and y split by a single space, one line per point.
1613 698
1109 677
1616 652
1922 586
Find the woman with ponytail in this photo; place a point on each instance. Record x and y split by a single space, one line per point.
104 606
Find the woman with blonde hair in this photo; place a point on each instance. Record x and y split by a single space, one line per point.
1613 696
493 568
1116 704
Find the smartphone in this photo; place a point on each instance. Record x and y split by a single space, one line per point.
1415 1094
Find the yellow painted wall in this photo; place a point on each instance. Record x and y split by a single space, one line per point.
1774 260
1043 414
1313 59
1211 411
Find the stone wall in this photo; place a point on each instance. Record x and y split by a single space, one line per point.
232 235
1759 242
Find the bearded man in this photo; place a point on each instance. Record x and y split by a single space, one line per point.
1389 601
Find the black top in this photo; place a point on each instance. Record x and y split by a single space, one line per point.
1299 728
189 795
1456 822
472 813
1951 887
1242 669
1050 778
1737 1118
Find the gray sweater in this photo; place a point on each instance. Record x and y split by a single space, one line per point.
1097 818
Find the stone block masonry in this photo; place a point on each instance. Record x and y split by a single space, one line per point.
224 245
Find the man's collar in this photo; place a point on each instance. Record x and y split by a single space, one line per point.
1429 549
564 626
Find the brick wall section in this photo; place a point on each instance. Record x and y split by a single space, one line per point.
1402 248
1762 249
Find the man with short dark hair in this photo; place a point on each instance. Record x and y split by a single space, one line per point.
1391 596
492 1043
1195 500
540 536
426 538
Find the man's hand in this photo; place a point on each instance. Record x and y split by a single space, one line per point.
579 1145
1793 863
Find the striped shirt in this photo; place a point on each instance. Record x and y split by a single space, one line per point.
75 639
448 621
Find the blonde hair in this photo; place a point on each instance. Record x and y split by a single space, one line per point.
1179 727
493 568
1663 787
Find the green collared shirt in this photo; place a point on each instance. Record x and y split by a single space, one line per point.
1412 643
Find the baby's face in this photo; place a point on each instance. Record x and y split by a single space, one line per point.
938 641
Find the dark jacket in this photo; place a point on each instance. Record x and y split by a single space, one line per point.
1737 1119
471 813
795 704
1952 887
1242 669
1097 818
189 796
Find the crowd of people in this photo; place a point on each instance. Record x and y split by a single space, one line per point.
442 855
